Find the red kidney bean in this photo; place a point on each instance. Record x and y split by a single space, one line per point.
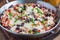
9 10
17 5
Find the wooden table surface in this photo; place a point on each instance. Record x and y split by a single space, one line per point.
3 34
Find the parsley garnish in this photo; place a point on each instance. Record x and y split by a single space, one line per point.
39 12
10 14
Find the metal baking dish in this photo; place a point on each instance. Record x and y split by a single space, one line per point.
47 5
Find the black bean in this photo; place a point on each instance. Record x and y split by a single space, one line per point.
19 29
48 15
18 26
34 30
21 11
22 24
8 27
34 16
24 7
27 20
36 19
45 19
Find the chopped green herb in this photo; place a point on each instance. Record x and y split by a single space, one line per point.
32 20
19 16
33 9
47 26
22 8
43 21
14 25
16 20
10 18
37 33
39 12
26 14
10 14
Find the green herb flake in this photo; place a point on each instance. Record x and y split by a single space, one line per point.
26 15
47 26
33 9
10 18
16 20
39 12
14 25
19 16
10 14
37 33
43 21
22 8
32 20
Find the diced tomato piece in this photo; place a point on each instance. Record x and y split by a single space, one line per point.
9 10
38 30
34 5
17 5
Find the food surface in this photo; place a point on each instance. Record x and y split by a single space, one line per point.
28 19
